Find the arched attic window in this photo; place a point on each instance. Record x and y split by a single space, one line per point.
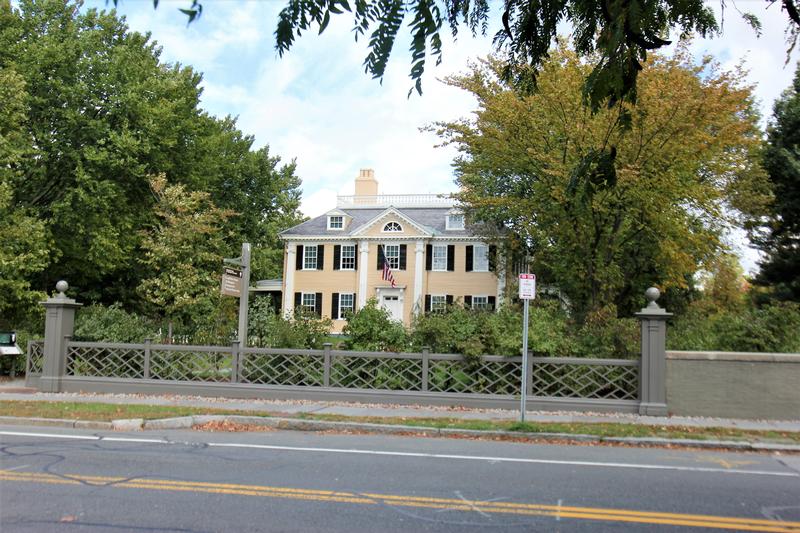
392 227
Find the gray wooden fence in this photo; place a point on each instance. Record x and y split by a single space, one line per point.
59 363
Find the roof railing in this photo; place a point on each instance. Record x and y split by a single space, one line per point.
395 200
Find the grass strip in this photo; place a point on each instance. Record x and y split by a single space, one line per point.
107 412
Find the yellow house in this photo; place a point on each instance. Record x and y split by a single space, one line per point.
335 262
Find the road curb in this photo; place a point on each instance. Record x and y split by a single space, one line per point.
296 424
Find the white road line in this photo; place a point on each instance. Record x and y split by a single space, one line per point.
522 460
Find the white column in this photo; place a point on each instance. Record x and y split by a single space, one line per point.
418 264
363 268
288 285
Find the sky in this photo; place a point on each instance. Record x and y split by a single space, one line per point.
315 105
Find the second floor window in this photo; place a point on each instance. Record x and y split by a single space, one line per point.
309 258
348 261
439 257
392 253
480 258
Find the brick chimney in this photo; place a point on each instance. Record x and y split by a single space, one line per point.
366 184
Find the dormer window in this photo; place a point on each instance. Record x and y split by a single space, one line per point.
455 221
335 222
392 227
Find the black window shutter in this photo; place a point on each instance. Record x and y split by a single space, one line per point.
355 257
427 303
299 259
492 258
337 255
380 257
449 299
297 299
469 258
468 302
335 306
318 306
428 257
320 257
492 301
403 256
451 257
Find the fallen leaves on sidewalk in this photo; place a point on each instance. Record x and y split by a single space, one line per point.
224 425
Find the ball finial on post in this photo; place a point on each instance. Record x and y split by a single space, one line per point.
62 287
652 294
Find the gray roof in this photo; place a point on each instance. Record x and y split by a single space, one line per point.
432 218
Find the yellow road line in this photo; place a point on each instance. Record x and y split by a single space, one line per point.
586 513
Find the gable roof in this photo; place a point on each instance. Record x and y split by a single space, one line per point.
430 219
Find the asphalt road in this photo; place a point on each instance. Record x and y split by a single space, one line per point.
191 481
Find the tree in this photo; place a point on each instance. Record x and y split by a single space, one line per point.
780 241
184 252
607 210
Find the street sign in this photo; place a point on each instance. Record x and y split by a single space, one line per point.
231 282
527 286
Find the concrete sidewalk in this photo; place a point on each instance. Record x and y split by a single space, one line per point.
15 390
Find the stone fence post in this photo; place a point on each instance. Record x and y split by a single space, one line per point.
653 376
58 327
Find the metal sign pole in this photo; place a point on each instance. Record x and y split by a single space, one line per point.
245 296
523 388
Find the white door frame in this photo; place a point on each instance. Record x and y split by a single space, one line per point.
398 292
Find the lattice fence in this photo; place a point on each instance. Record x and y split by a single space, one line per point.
190 363
105 360
376 372
35 361
492 375
283 368
609 379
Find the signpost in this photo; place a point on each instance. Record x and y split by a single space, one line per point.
236 282
527 292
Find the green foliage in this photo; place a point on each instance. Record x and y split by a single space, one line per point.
88 113
773 328
372 329
268 329
603 209
100 323
779 238
603 335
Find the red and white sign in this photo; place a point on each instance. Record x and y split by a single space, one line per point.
527 286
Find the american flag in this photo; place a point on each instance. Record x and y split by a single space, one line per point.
387 269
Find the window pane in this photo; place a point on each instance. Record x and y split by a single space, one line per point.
348 258
309 301
480 302
440 257
480 258
346 304
392 226
455 222
392 252
336 222
310 257
438 303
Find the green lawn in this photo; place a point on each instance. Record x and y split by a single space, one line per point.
107 412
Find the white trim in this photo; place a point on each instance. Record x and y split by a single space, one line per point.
316 256
474 255
341 257
443 296
447 225
384 230
330 228
339 310
363 266
433 257
288 291
302 301
397 245
391 211
472 301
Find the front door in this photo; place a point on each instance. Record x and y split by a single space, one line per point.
393 304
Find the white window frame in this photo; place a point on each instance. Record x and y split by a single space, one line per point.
342 257
440 304
394 260
477 267
484 304
435 256
307 257
343 308
450 225
339 218
306 306
392 227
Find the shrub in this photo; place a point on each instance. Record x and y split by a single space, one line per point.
372 329
603 335
269 329
102 323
